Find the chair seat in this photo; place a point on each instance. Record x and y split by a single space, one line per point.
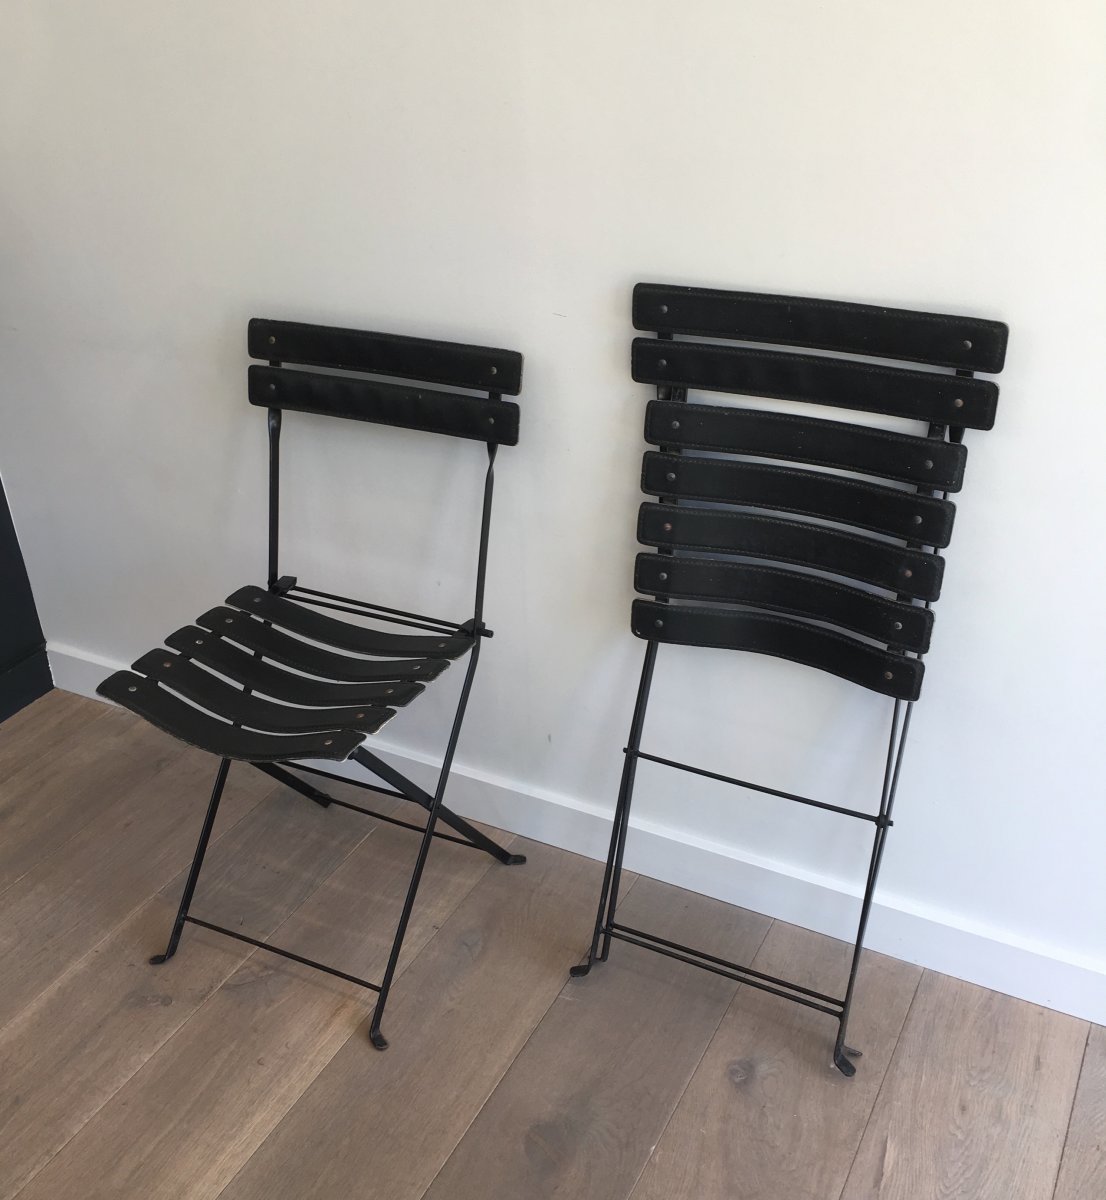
345 683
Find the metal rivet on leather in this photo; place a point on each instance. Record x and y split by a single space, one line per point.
272 339
897 626
495 370
491 420
888 675
958 403
132 689
917 519
329 742
230 620
675 424
416 668
272 387
388 691
907 573
664 309
671 477
929 464
662 363
441 645
167 664
199 641
967 344
667 527
659 623
360 716
663 577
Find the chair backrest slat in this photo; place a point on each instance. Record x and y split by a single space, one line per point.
477 417
929 396
453 364
966 343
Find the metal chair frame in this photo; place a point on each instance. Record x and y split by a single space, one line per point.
339 732
673 367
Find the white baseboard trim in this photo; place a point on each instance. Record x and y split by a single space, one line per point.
921 934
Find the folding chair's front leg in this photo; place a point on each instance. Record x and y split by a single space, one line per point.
197 863
375 1036
612 874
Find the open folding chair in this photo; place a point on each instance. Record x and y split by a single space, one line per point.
268 680
855 563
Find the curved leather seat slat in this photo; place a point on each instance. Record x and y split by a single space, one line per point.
782 637
343 635
232 704
233 623
714 580
196 728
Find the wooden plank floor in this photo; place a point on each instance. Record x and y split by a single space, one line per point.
230 1073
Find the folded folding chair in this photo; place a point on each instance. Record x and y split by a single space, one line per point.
854 563
269 680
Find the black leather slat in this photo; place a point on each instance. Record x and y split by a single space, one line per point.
937 338
196 728
890 621
234 624
911 572
341 634
253 672
897 391
232 704
925 520
484 368
385 404
782 637
923 461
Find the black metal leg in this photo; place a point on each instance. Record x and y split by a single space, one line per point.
416 795
608 895
197 863
295 783
895 746
375 1036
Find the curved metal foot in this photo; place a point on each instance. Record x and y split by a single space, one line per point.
379 1041
516 860
158 959
843 1062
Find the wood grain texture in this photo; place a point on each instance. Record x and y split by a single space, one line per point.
583 1105
464 1010
1083 1166
70 1051
188 1120
767 1115
976 1100
44 729
55 796
64 906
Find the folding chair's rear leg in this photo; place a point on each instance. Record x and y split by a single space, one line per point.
416 795
612 874
197 862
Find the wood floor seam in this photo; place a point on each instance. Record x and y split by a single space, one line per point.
698 1062
879 1090
1071 1114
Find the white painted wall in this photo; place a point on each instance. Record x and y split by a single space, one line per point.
504 172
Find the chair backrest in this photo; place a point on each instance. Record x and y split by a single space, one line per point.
476 368
844 581
355 395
